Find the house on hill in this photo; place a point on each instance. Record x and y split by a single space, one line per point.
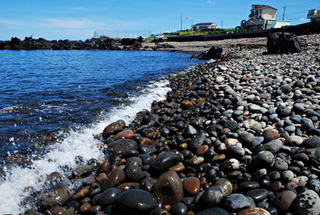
314 15
262 17
200 26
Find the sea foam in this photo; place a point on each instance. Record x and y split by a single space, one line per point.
19 181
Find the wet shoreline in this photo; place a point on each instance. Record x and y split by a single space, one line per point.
232 136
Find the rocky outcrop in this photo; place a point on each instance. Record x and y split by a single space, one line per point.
283 43
90 44
213 53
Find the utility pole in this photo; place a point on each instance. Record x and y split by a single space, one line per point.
284 11
221 24
181 23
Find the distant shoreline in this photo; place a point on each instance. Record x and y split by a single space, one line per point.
190 44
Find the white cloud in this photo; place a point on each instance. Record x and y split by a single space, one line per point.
69 23
302 19
8 21
211 2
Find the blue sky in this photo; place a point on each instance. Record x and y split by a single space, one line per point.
77 19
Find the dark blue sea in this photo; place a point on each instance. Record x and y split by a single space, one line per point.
53 103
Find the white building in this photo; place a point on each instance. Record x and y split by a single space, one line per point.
200 26
314 15
262 17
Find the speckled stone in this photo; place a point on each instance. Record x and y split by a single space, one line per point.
307 202
212 196
121 147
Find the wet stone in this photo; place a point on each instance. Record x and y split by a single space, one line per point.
115 177
112 128
83 170
190 131
134 161
213 210
236 202
55 195
191 185
105 167
168 188
212 196
136 202
164 161
226 186
257 195
121 147
179 209
134 173
196 142
249 185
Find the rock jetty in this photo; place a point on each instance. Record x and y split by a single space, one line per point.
236 136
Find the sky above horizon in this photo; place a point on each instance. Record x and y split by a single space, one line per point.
78 19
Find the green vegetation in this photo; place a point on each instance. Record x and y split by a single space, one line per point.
195 32
204 32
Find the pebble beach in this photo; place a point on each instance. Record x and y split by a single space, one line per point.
234 136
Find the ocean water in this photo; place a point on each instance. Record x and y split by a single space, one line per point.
53 103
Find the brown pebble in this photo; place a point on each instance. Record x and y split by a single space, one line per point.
202 149
201 100
270 135
101 176
81 193
187 104
123 134
219 157
105 167
231 141
58 210
191 185
85 207
126 186
145 140
177 168
149 132
167 207
183 145
254 211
